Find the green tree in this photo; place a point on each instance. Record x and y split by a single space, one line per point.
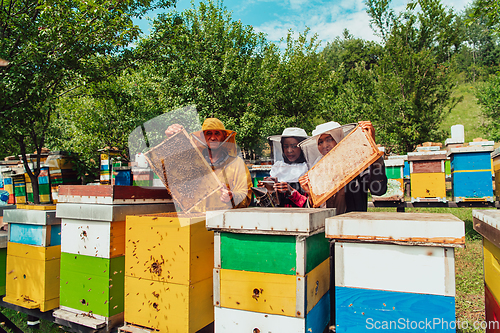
489 98
208 59
50 46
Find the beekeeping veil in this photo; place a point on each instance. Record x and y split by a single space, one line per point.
182 165
337 131
283 169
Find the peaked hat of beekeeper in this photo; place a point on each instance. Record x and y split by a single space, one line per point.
337 131
214 124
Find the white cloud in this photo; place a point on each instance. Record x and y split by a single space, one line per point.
329 19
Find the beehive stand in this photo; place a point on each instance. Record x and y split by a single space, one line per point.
393 265
271 270
341 165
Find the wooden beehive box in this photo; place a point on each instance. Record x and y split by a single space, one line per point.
487 223
393 265
471 173
341 165
33 276
427 176
495 156
183 170
92 285
272 268
168 272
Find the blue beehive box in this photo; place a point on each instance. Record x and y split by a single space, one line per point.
471 173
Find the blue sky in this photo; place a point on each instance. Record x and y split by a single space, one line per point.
326 18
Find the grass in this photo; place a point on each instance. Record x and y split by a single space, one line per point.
20 320
467 113
469 299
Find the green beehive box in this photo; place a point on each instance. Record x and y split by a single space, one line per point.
92 285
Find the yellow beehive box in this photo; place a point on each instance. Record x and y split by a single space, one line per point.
492 267
428 185
169 248
169 307
281 294
33 276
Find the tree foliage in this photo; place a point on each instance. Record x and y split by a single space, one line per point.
50 46
489 98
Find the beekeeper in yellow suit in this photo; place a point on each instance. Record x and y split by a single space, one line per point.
218 146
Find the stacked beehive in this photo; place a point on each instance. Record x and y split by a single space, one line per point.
107 159
45 188
93 249
471 173
487 223
168 273
19 183
394 271
495 156
8 184
61 171
33 258
272 270
427 176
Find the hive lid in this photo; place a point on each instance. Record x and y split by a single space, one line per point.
398 228
288 221
108 213
487 223
112 194
470 149
30 216
426 156
495 153
394 162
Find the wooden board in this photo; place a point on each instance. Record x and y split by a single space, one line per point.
232 320
284 221
277 254
364 310
487 223
413 269
427 166
92 285
280 294
168 307
425 229
341 165
164 247
93 238
111 194
183 170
